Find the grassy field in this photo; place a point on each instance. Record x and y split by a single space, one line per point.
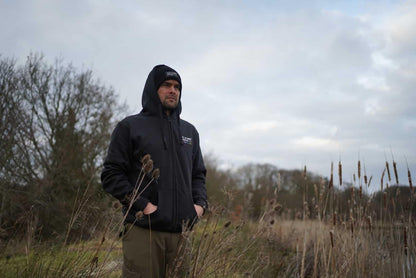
220 248
365 239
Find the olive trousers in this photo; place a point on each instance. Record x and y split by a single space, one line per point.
149 254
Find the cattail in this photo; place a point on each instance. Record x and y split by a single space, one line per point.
340 173
353 178
395 172
388 170
410 179
331 233
359 169
304 172
369 181
405 240
145 159
227 224
156 174
272 222
365 180
370 226
148 167
385 199
361 192
334 219
382 177
331 180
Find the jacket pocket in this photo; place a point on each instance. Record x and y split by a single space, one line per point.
152 221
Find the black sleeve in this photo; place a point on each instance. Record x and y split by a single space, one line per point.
114 176
199 192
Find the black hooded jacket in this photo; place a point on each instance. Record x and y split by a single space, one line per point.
174 148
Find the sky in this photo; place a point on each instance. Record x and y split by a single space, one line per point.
290 83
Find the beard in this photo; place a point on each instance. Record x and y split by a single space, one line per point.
169 105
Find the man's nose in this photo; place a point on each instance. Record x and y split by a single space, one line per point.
173 90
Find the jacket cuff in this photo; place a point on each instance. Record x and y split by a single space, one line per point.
140 204
203 204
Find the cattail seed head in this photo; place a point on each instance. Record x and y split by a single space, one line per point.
340 173
409 176
359 169
369 181
388 170
395 172
382 178
304 172
227 224
331 181
331 233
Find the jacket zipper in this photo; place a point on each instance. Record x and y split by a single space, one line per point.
174 187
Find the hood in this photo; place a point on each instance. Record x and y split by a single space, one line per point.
150 99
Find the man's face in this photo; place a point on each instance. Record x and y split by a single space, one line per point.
169 94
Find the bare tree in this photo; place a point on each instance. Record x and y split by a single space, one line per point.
55 126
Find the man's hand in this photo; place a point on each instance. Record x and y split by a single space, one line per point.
150 208
199 210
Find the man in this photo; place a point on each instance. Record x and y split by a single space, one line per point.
178 198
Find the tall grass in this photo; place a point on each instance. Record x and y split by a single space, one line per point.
366 239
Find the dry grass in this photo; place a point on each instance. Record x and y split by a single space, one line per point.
366 241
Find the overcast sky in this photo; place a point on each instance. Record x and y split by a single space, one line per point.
290 83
